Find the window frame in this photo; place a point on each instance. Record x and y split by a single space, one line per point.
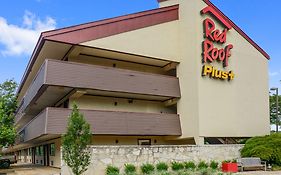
142 141
52 152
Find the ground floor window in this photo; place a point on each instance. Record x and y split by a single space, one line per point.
41 150
29 152
144 141
37 151
52 149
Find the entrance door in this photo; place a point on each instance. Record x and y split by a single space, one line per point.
25 155
46 155
33 155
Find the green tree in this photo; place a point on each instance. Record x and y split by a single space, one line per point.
273 110
8 105
75 141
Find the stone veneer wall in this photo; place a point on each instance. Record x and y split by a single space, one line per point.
137 155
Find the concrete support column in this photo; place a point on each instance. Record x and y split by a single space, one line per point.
199 140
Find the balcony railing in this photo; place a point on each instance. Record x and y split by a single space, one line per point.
53 121
71 75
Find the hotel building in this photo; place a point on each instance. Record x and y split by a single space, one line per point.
180 74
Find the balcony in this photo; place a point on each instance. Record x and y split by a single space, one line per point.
57 79
52 122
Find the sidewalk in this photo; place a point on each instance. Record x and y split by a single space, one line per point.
30 169
260 173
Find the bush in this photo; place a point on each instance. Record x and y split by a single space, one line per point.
189 165
205 172
183 173
176 166
147 168
214 165
161 166
112 170
267 148
165 173
130 169
202 165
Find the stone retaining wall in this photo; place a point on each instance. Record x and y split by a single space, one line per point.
119 155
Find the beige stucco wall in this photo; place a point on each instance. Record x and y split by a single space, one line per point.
118 64
57 158
107 103
208 107
126 140
159 41
222 109
238 108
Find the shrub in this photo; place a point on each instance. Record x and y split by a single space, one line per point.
214 165
161 166
112 170
183 173
267 148
189 165
202 165
130 169
165 173
147 168
176 166
205 172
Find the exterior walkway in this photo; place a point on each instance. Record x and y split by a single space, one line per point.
260 173
30 169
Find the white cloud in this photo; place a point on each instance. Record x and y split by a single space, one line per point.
19 40
275 73
272 74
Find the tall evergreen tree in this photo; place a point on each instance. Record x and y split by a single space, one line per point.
8 105
75 142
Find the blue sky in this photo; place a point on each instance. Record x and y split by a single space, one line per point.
22 21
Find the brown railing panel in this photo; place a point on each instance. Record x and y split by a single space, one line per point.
117 123
54 121
111 79
35 128
33 89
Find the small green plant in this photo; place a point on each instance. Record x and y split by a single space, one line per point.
161 166
176 166
214 165
165 173
147 168
205 172
189 165
183 173
130 169
202 165
230 161
112 170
